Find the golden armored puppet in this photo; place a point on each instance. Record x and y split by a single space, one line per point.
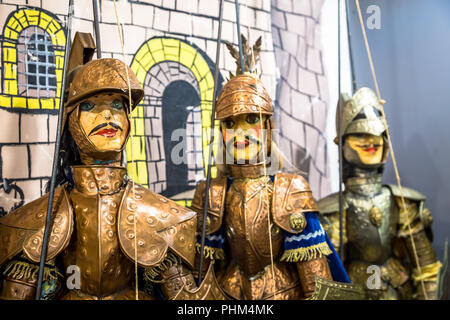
377 227
262 228
102 223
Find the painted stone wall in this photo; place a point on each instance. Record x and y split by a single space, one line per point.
302 90
170 44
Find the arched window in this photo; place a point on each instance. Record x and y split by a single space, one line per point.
36 66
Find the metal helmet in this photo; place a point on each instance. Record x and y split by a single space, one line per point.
361 114
102 75
244 93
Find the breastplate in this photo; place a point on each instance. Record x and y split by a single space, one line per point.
248 208
95 247
370 223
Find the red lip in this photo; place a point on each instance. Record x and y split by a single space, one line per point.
371 149
241 145
108 133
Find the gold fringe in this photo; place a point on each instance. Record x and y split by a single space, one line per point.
428 273
210 252
152 273
306 254
24 270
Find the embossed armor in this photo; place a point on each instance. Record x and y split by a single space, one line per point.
375 229
262 229
245 211
103 224
101 208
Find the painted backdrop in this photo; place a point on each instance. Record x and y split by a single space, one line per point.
170 45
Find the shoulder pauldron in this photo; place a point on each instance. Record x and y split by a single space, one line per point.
217 192
160 224
330 204
291 198
23 229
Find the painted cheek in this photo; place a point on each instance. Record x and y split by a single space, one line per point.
227 136
258 131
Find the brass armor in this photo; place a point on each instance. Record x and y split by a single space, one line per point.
101 210
251 205
383 241
377 228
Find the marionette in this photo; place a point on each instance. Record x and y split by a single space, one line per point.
378 228
262 229
103 225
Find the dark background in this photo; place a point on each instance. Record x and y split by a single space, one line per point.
411 54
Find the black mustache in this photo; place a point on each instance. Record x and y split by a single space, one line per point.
112 124
247 137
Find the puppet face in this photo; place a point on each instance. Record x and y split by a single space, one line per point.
104 120
369 148
243 137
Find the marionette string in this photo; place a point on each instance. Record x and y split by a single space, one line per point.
394 162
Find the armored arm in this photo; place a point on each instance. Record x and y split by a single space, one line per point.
214 238
294 211
413 222
20 280
329 217
172 275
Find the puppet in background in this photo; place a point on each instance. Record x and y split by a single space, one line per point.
98 213
262 226
375 229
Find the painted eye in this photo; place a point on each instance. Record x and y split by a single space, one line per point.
252 118
86 106
117 104
228 123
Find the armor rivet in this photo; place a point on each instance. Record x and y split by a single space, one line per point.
297 221
85 210
150 220
140 243
35 241
154 251
131 218
163 200
131 236
175 210
376 216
